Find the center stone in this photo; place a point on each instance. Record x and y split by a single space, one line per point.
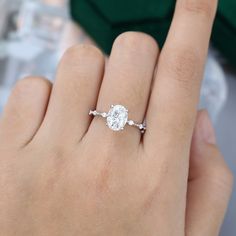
117 117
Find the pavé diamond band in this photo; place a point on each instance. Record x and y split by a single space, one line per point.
117 118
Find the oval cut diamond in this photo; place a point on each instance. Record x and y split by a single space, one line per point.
117 117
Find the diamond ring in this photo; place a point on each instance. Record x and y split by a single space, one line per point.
117 118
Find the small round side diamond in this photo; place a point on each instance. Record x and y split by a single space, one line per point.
130 122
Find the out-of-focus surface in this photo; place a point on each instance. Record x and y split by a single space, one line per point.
30 37
226 135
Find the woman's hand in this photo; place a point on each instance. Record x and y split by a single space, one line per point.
64 173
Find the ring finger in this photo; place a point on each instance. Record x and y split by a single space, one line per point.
127 82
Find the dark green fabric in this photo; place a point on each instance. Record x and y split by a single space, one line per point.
224 30
93 23
104 20
123 11
96 17
227 10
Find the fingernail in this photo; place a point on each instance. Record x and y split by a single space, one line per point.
206 132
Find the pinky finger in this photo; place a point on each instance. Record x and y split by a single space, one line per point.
210 182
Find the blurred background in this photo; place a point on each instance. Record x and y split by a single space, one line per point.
35 33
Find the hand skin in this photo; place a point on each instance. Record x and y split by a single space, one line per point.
63 172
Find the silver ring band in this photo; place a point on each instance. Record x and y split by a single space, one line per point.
117 118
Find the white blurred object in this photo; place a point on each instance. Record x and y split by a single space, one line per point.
41 23
8 13
214 90
58 3
72 35
3 15
31 48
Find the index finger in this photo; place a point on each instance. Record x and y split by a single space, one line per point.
174 99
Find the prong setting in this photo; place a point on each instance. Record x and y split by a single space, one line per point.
117 118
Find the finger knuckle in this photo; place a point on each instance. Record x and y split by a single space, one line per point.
28 85
136 93
136 41
86 61
222 175
182 65
78 53
202 7
228 175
